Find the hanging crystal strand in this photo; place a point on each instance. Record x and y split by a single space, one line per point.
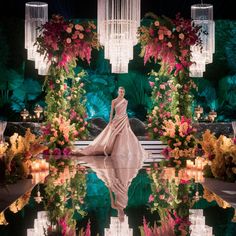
36 14
202 15
117 31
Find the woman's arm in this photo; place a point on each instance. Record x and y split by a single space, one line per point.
112 110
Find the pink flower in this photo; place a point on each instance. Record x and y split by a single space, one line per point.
68 40
169 44
148 170
155 130
183 181
156 23
234 140
88 230
162 196
151 83
68 30
161 37
162 86
151 198
166 152
181 36
66 151
81 36
79 27
56 151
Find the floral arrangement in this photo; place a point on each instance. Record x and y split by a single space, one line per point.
221 152
169 41
162 97
62 41
66 114
16 156
59 134
179 136
65 190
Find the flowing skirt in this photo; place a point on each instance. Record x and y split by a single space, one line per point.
116 140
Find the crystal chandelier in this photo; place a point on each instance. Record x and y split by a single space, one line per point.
36 14
118 228
202 15
118 21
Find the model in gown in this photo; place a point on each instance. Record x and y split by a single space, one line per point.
117 139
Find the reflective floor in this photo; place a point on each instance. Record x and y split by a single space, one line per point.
119 198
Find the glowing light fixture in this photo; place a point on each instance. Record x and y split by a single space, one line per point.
202 15
36 14
118 21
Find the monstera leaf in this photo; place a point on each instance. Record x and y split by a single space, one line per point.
98 105
29 91
227 91
10 79
223 30
137 92
230 49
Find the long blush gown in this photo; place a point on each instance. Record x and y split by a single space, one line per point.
117 139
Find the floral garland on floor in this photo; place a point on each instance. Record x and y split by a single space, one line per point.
62 42
168 43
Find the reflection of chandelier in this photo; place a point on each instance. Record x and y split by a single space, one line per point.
118 21
202 15
118 228
36 14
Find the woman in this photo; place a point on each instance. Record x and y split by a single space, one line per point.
117 139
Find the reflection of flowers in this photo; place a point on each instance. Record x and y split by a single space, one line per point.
171 197
65 190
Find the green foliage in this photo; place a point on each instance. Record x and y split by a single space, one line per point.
227 96
99 93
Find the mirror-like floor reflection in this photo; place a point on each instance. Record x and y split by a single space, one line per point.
97 195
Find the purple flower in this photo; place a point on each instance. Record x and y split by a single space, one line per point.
66 151
166 152
56 151
46 152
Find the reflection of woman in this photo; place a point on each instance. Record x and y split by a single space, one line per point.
117 138
116 177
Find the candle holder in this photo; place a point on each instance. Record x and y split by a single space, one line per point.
198 111
38 110
212 115
3 125
24 114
